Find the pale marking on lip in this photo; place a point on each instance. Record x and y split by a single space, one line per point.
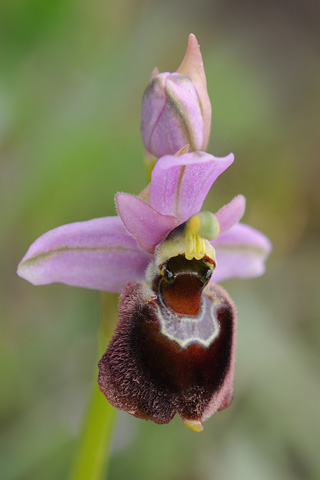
183 343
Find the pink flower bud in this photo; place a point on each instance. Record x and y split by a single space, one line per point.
171 115
176 109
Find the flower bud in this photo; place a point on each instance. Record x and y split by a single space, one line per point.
171 115
176 109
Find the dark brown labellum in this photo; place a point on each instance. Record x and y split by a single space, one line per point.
173 348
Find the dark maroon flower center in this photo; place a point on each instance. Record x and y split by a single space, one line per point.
172 349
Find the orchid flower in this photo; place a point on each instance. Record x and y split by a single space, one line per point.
173 348
172 351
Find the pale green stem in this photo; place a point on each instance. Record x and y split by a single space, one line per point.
149 161
92 455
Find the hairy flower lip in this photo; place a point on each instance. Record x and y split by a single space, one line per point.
150 373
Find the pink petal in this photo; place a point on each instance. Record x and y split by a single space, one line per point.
179 184
192 67
231 213
148 226
241 253
96 254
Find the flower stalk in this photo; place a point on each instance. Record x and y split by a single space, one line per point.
93 449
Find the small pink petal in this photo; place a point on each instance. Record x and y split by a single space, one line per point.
97 254
231 213
179 185
192 67
241 253
148 226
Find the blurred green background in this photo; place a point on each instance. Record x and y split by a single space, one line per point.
72 74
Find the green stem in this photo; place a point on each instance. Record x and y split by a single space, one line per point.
149 161
92 455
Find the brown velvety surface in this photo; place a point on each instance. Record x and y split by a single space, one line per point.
151 376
